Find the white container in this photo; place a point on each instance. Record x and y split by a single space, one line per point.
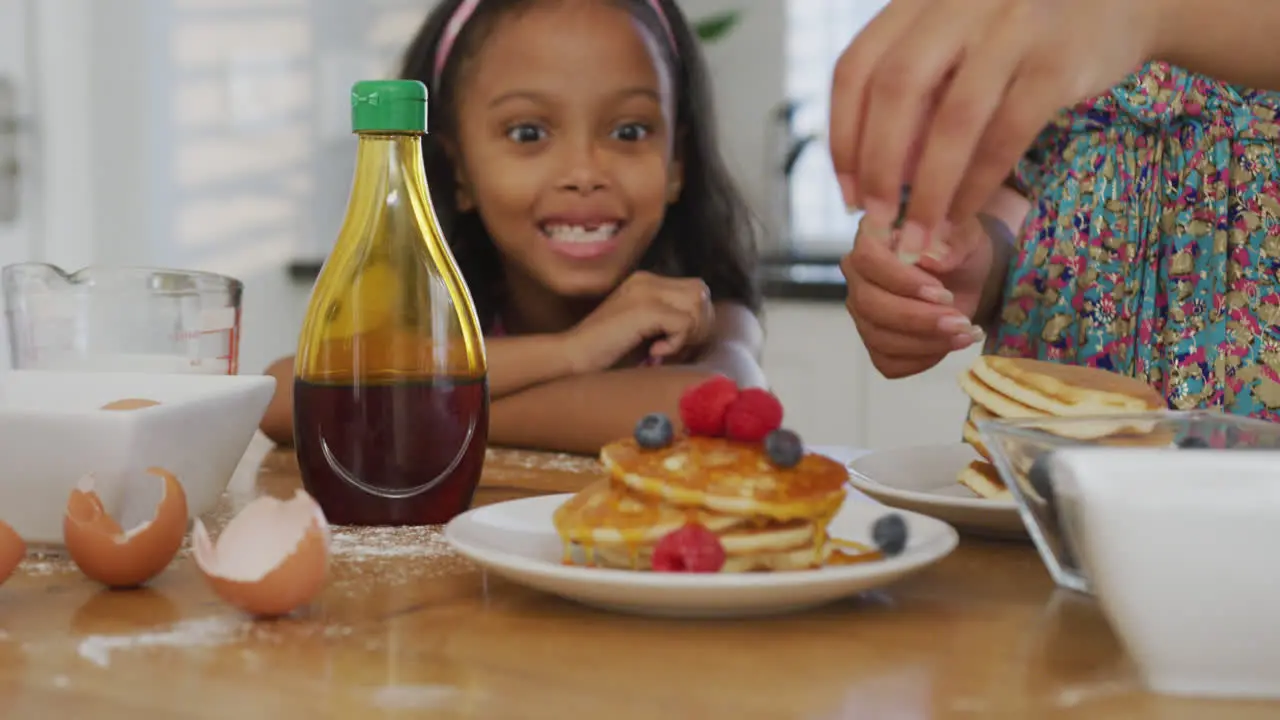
1180 550
53 432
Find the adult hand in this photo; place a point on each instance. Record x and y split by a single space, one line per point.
910 317
982 78
675 314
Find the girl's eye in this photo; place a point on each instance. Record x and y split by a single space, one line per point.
525 133
631 132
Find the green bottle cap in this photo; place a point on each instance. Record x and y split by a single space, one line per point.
389 105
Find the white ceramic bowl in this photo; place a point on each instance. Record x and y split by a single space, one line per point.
1180 550
53 432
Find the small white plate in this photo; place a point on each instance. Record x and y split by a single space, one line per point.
923 479
516 540
842 454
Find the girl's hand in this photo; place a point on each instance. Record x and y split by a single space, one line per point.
676 314
983 77
909 317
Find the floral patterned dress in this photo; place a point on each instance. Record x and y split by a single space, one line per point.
1153 243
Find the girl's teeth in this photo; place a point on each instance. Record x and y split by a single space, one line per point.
580 233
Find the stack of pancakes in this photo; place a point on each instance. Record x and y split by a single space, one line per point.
767 518
1018 388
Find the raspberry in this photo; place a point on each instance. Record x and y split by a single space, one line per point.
692 549
754 415
702 407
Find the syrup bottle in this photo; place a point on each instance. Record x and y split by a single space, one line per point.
391 395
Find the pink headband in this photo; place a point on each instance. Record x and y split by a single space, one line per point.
467 8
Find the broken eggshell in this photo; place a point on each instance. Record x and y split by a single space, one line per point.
12 550
272 558
154 508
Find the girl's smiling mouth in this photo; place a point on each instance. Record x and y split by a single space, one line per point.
581 240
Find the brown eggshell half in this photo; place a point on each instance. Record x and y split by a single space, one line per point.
117 558
271 559
129 404
12 550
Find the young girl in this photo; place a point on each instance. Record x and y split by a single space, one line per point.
573 164
1140 234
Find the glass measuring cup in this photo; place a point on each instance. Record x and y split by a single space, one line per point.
131 319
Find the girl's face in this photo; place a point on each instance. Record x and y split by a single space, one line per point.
565 141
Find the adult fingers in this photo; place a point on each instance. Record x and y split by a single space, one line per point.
1026 107
848 88
926 321
873 261
963 114
899 94
890 341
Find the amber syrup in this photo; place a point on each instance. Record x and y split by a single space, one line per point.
392 452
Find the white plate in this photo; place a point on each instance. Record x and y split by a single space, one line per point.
923 480
842 454
517 541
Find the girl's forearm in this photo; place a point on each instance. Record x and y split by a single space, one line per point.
515 364
519 363
580 414
1233 41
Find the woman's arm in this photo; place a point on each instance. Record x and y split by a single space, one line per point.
582 413
1233 41
1001 220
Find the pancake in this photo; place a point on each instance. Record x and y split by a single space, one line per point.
729 478
752 547
1001 406
984 480
1066 390
772 561
606 513
970 434
995 403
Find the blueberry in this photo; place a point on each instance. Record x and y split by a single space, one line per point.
890 534
784 448
1040 478
1193 442
654 431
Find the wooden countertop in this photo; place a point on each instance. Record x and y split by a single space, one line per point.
408 629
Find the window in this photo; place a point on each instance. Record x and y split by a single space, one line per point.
817 32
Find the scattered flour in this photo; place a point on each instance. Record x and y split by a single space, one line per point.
560 462
210 632
393 555
204 632
379 542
